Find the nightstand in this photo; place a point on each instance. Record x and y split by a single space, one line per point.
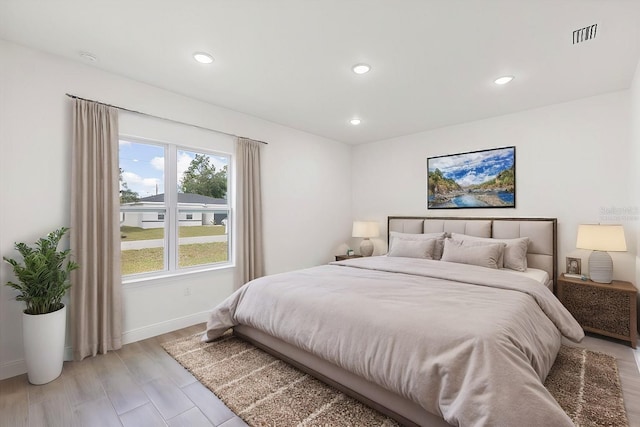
605 309
343 257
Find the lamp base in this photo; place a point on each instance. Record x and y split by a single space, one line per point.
600 267
366 247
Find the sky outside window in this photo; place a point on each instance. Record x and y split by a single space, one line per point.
142 167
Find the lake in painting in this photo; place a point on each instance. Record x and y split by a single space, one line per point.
481 179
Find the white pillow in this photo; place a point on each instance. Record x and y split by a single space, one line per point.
515 251
412 248
474 253
437 252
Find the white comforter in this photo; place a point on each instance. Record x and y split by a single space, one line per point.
470 344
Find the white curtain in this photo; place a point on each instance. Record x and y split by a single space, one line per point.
249 250
96 311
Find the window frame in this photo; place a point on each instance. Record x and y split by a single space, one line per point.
171 213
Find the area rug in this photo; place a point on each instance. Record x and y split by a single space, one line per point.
264 391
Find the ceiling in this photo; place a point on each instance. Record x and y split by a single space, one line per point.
289 61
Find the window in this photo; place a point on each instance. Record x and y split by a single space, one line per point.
174 210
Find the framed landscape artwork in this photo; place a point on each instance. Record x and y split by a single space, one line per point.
477 179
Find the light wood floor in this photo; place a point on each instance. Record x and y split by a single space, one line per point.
141 385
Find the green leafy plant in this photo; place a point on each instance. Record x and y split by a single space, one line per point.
43 274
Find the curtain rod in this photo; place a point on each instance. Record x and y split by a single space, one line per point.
162 118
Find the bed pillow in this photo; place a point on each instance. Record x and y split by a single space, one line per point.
515 251
474 253
437 252
412 248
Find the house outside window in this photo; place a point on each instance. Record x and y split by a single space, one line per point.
173 201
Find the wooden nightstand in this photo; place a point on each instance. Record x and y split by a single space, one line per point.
605 309
343 257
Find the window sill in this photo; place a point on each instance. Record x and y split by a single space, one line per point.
145 280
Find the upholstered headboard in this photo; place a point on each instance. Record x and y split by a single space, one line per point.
542 252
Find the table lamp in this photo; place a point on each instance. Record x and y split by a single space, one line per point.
365 229
601 238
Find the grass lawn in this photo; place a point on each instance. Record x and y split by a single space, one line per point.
129 234
147 260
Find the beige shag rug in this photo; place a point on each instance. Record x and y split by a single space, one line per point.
265 391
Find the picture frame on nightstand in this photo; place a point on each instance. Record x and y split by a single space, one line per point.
574 266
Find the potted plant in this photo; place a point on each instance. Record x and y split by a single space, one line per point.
43 279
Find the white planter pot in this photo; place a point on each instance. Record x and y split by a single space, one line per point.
43 336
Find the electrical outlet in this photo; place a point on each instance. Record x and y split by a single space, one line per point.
187 292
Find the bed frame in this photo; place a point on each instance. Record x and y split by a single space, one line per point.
542 254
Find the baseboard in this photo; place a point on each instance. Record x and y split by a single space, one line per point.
164 327
13 368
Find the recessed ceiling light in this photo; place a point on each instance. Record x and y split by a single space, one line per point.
88 56
503 80
361 68
354 122
203 58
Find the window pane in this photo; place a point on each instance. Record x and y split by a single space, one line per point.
204 238
202 174
141 241
142 208
141 172
202 208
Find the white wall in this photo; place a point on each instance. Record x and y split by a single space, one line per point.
306 187
571 161
634 160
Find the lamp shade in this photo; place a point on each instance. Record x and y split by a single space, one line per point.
601 237
365 229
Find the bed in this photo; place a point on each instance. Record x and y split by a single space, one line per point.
425 341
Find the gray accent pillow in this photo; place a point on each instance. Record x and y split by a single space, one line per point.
482 254
412 248
439 246
515 251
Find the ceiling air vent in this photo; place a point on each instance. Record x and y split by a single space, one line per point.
584 34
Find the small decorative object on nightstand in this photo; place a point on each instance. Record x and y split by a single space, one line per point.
343 257
605 309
